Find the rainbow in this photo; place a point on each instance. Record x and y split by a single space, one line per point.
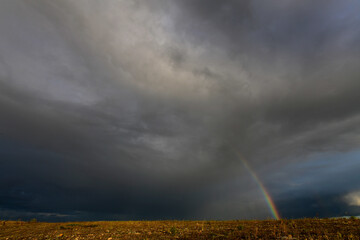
264 192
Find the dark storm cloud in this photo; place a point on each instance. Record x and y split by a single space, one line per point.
322 185
138 109
295 54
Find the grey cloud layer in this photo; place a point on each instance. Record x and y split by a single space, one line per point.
105 104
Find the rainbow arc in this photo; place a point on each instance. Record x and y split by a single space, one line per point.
265 193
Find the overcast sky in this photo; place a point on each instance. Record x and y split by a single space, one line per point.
141 109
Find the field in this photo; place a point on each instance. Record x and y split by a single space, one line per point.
268 229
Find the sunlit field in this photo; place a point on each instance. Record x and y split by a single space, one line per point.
268 229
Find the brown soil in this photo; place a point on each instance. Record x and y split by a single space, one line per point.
268 229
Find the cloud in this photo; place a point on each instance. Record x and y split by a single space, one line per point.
105 104
353 199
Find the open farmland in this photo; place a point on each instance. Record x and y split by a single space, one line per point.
267 229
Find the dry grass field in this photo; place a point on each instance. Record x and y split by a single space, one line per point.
267 229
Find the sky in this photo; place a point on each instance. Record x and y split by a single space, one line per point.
179 109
